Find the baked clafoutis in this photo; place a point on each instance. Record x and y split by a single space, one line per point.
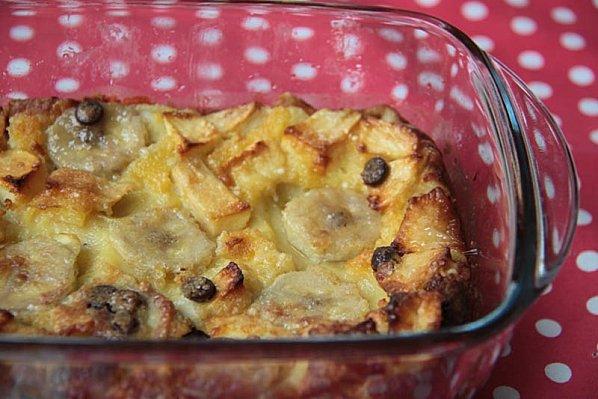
126 219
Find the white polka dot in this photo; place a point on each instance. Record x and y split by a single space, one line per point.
518 3
349 45
21 33
352 83
540 89
207 13
431 79
259 85
163 53
66 85
439 105
558 372
572 41
428 3
426 55
209 71
557 119
547 289
557 242
485 152
548 328
496 238
164 22
118 69
70 4
581 75
549 187
163 3
474 10
68 49
594 136
18 67
523 26
17 95
454 70
304 71
24 13
592 305
163 83
451 50
540 141
255 23
210 36
588 106
506 350
587 261
399 92
257 55
118 13
531 60
563 15
70 20
478 130
420 34
396 61
461 98
505 392
493 194
484 42
301 33
584 217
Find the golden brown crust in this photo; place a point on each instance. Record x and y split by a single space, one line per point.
430 223
289 100
155 318
51 107
76 189
228 171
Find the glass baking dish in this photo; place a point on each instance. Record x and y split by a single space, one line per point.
509 166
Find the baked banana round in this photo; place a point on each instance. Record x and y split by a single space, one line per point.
37 271
330 224
102 142
161 239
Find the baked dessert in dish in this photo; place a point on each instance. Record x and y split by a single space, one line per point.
129 219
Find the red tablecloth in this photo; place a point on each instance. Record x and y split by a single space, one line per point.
552 45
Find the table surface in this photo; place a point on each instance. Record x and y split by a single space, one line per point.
553 46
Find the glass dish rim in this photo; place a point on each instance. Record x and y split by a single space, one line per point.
520 294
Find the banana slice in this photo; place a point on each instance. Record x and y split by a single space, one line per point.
330 224
301 298
160 239
37 271
104 148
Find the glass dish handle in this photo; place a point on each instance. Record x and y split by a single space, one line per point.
554 175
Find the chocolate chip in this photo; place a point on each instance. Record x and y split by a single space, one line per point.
124 322
100 295
375 171
125 300
89 112
196 335
198 289
383 255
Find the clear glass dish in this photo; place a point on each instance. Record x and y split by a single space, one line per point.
510 170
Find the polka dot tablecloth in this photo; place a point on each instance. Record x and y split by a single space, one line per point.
552 45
